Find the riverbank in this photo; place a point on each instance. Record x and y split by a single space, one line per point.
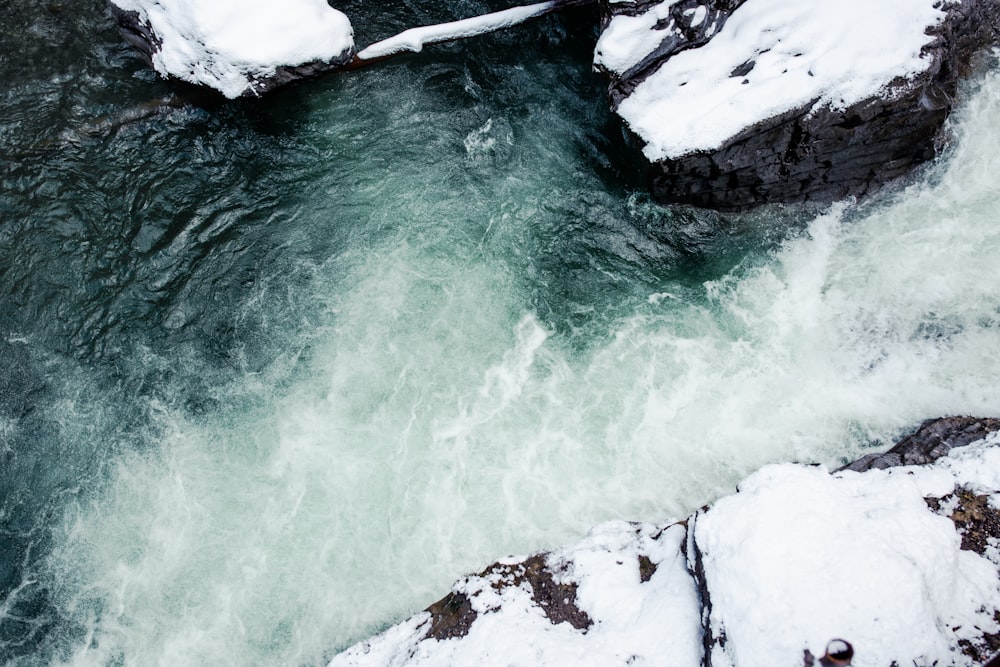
901 561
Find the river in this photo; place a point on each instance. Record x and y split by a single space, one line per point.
274 373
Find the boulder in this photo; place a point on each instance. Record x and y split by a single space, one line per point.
738 103
238 48
932 440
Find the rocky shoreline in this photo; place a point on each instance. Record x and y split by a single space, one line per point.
734 103
898 553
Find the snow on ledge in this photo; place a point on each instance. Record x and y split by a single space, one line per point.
415 39
797 558
229 45
651 623
823 53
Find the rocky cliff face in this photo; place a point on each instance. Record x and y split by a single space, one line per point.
901 561
820 146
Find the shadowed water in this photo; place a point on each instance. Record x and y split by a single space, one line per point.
274 373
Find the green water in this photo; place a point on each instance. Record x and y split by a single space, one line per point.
273 374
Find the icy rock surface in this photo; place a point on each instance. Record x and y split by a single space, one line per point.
239 48
743 102
903 562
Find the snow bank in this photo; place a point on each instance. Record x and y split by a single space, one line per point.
233 45
771 56
415 39
655 622
797 558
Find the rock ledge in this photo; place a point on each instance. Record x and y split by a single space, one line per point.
745 102
901 560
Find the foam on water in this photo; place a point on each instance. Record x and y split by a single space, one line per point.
440 421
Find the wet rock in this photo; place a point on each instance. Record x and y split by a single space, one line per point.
932 440
135 31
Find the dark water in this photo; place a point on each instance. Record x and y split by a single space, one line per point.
274 373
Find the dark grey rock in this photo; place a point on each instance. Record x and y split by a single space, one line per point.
696 566
809 156
135 31
934 439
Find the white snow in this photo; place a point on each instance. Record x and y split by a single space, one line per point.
230 44
653 623
698 15
797 558
822 53
629 39
415 39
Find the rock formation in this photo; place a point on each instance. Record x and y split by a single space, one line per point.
237 48
885 561
744 102
245 48
735 102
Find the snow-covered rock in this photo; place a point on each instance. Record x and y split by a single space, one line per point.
621 596
247 47
415 39
742 102
901 562
237 47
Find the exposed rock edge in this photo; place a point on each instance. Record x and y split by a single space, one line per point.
810 154
600 591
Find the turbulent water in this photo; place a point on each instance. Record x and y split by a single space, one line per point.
273 374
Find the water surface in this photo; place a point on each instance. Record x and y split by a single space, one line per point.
273 374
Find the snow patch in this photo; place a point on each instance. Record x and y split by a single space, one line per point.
797 558
629 39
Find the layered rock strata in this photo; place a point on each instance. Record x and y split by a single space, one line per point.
901 561
743 102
